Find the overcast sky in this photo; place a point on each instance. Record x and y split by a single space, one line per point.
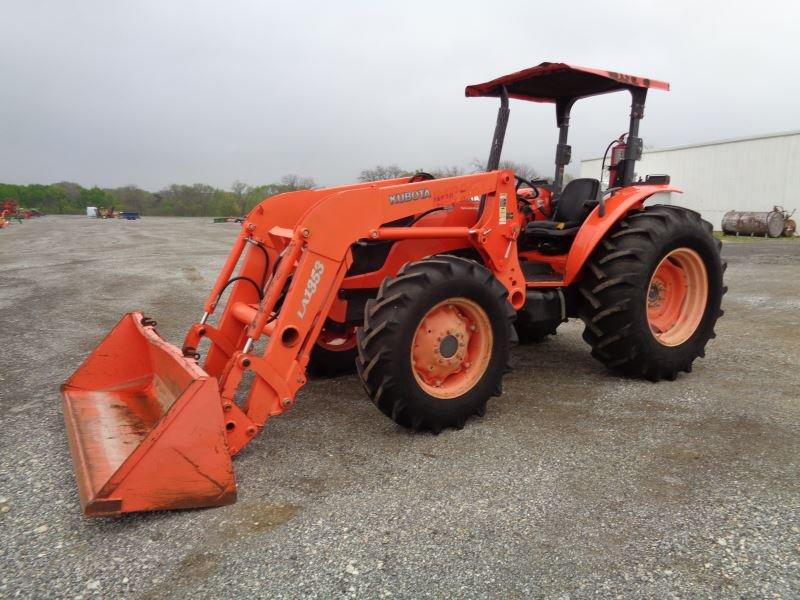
163 91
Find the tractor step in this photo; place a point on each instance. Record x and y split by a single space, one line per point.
535 271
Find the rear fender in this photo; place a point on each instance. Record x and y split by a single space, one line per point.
595 227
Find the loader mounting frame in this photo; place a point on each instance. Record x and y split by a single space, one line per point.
313 260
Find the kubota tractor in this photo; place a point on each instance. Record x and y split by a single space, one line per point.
420 283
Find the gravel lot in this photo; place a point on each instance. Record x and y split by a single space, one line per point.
575 484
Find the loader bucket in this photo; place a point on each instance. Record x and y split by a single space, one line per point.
145 427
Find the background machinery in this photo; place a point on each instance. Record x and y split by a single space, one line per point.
420 287
775 223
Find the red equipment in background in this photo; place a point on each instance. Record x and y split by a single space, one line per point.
12 209
10 206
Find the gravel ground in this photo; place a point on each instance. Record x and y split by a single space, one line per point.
575 484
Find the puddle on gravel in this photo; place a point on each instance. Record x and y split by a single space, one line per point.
198 566
190 571
254 518
245 520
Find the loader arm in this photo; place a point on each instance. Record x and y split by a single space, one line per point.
149 429
260 254
314 258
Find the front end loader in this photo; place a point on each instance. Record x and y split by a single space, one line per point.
420 284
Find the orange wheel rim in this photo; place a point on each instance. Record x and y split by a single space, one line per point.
337 341
677 296
451 348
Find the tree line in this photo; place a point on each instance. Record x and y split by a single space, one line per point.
199 199
196 200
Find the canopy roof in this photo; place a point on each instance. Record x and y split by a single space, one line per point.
548 82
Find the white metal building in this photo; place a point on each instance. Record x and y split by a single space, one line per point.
754 173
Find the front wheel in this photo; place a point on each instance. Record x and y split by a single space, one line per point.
435 343
652 292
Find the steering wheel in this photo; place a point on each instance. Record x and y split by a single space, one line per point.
520 181
420 176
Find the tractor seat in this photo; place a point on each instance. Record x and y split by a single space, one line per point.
573 205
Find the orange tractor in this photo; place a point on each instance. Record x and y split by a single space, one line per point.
421 283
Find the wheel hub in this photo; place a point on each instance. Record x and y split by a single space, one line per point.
655 296
677 296
440 344
451 347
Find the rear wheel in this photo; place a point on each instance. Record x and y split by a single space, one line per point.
652 292
435 343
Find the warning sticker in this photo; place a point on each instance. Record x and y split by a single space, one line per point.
503 203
